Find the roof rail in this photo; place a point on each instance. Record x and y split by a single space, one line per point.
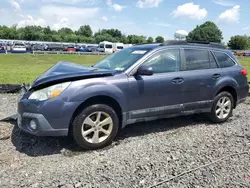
194 43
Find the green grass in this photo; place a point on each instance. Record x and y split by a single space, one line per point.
245 62
24 68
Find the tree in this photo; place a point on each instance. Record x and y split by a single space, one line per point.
239 42
65 31
150 40
206 32
85 30
159 39
135 39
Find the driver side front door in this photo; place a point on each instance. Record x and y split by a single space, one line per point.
161 93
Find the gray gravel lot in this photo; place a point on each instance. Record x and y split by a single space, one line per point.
142 155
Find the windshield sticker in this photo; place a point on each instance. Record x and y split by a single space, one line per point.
119 68
139 52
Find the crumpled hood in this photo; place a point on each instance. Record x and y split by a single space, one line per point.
66 71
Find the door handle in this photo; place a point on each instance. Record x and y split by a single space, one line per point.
216 76
177 80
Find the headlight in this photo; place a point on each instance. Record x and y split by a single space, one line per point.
49 92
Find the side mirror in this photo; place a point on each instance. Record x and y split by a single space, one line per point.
145 70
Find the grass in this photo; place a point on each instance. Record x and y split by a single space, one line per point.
245 62
24 68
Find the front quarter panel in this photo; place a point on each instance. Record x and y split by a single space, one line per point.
114 86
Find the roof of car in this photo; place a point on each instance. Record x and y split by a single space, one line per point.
147 46
183 44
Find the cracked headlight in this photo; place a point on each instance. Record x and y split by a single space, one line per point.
49 92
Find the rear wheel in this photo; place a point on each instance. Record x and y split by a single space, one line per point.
222 108
95 127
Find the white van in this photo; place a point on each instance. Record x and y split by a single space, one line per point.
117 47
106 47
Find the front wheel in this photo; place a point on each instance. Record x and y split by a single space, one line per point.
95 127
222 107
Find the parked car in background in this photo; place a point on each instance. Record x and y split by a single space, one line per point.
2 46
106 47
91 48
137 84
70 49
28 46
56 47
38 47
117 47
78 48
18 47
83 48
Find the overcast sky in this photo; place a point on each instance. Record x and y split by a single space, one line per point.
144 17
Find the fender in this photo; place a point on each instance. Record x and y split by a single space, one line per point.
100 89
225 82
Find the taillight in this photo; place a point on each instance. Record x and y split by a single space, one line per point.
243 72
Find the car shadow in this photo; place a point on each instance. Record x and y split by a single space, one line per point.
41 146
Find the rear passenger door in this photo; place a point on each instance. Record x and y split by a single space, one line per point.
200 74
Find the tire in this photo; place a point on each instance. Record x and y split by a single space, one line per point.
216 110
91 113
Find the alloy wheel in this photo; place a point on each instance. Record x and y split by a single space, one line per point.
97 127
223 107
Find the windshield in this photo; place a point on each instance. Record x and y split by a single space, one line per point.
122 60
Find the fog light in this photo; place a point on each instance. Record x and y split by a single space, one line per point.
33 125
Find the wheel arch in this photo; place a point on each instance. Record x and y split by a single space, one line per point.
231 90
99 99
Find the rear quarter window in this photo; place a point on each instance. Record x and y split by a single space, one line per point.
224 60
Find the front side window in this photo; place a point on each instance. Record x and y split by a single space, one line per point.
224 60
164 61
197 59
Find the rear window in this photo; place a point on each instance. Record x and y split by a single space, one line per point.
119 47
224 60
197 59
108 46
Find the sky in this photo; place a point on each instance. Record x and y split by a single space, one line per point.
141 17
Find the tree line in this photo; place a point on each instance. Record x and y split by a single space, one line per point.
83 35
210 32
207 31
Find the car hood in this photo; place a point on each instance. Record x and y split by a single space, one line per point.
67 71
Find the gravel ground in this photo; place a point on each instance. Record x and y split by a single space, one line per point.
8 105
142 155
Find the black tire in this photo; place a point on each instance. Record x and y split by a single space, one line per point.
213 117
78 123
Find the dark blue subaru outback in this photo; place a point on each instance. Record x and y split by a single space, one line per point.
140 83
